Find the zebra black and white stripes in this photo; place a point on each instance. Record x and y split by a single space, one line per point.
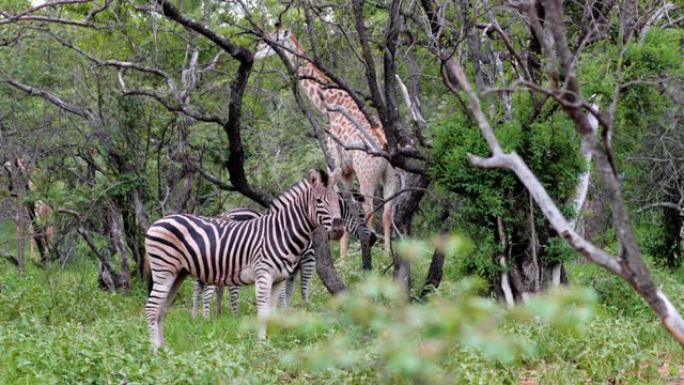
203 294
263 251
354 223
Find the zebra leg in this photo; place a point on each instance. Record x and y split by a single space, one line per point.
306 266
263 286
206 300
234 297
163 290
169 299
277 295
155 306
196 293
289 290
219 300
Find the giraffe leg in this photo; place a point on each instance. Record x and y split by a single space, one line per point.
390 187
344 245
387 227
344 241
367 189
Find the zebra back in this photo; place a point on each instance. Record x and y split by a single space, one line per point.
354 223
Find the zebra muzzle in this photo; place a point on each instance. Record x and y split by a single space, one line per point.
337 229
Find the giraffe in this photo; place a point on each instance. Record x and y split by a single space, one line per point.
331 101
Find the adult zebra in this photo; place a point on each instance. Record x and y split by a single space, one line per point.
354 224
262 251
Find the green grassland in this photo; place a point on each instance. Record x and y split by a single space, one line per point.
57 327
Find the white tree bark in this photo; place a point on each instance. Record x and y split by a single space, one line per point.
505 279
583 183
580 192
638 278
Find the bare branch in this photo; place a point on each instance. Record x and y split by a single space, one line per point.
369 141
391 198
651 206
414 108
52 98
28 15
211 178
93 12
237 52
655 17
46 19
117 63
175 107
369 66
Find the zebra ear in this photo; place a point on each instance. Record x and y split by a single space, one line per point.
314 177
334 177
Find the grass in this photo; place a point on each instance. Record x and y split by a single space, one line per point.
57 327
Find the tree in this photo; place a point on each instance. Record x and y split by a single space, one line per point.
565 90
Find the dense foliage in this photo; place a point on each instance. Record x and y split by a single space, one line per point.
120 113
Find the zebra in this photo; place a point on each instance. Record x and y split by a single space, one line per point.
354 223
204 293
262 251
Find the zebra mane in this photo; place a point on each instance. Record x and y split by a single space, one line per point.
285 198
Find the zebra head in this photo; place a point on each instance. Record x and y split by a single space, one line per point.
352 213
325 209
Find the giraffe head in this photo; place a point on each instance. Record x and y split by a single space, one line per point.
280 37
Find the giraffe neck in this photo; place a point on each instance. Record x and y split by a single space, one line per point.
316 86
314 83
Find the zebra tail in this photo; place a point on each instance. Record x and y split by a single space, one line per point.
147 273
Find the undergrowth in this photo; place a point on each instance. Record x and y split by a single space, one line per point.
57 327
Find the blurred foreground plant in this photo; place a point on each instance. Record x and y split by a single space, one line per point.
381 331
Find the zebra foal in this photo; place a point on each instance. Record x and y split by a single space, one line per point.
262 251
354 223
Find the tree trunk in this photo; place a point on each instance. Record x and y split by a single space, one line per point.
404 209
324 264
436 269
504 289
434 275
18 187
672 224
39 235
117 240
133 237
109 279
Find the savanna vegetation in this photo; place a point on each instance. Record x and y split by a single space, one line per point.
537 212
